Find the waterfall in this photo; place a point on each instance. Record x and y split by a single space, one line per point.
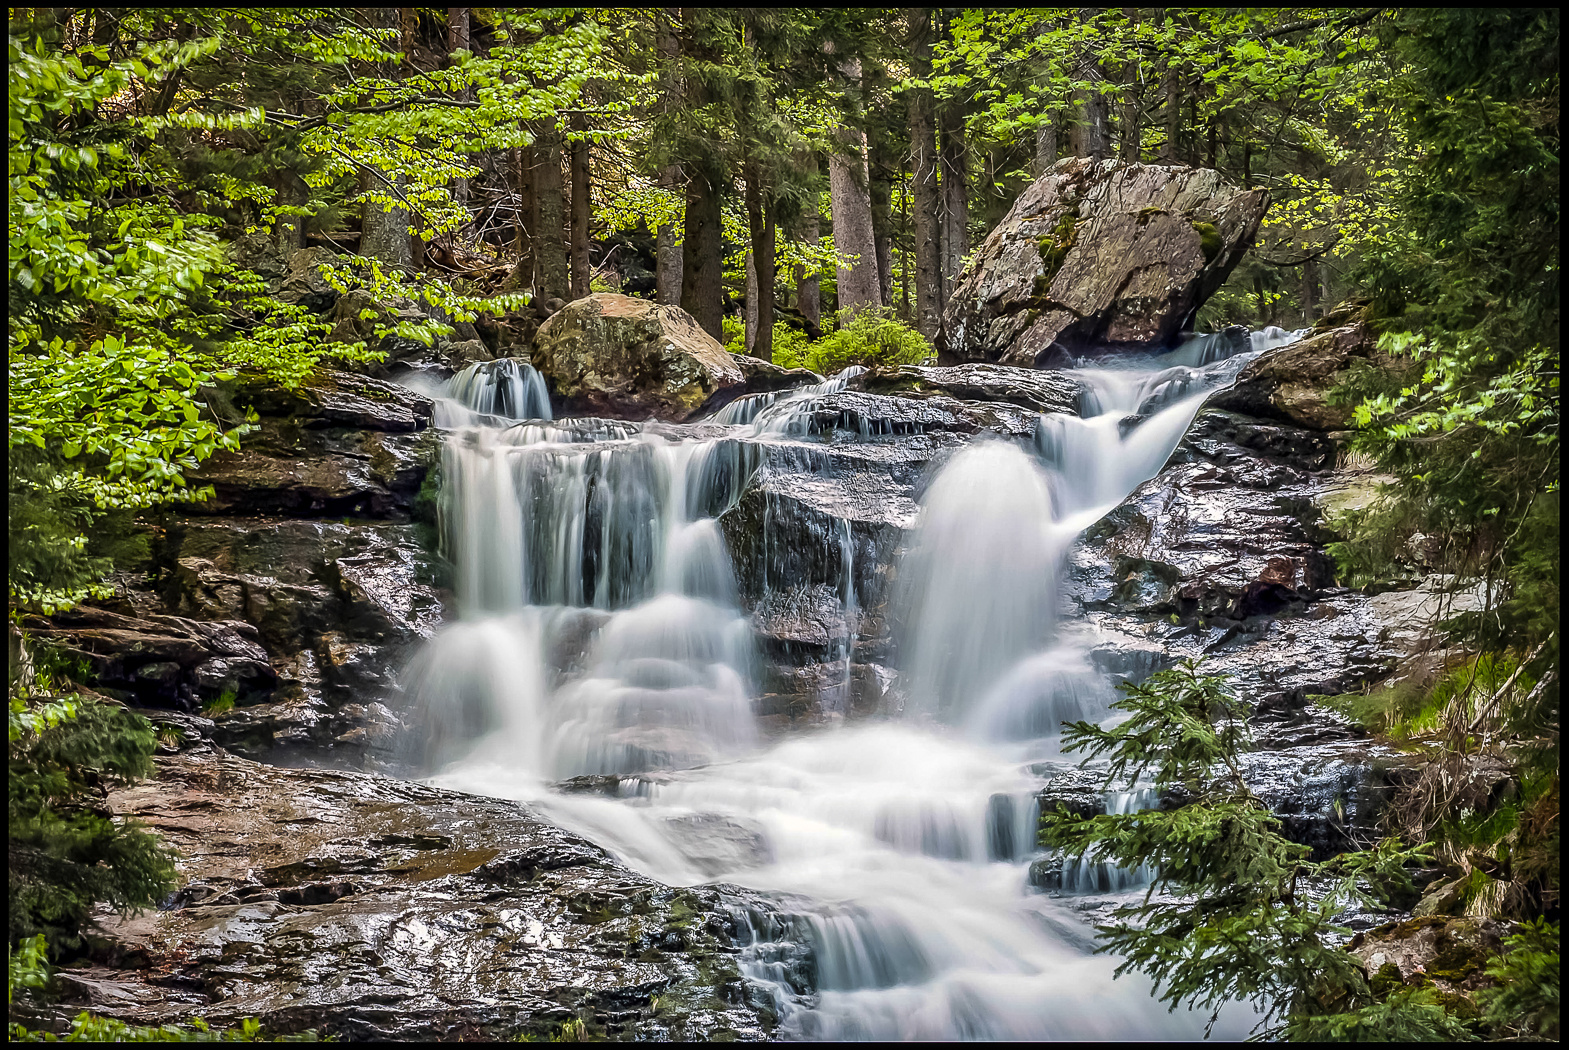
601 632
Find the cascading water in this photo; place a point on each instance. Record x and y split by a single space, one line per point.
602 633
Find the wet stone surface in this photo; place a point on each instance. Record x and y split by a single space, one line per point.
370 908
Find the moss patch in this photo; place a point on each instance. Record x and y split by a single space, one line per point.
1054 249
1209 240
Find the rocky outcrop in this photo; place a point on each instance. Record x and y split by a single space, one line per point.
1096 254
1291 383
286 604
616 356
370 908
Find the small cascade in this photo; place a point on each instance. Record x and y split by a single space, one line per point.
1093 874
507 389
976 593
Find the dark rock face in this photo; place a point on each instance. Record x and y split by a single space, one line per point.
257 598
1289 383
1099 253
370 908
625 358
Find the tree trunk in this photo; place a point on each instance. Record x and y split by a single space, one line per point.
851 205
1309 291
954 186
384 230
550 250
1045 144
525 218
1171 86
880 185
458 40
808 283
1131 118
702 263
667 253
759 272
1092 134
580 212
926 220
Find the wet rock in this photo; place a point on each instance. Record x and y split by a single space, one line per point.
161 661
616 356
1033 389
344 399
1079 791
369 908
1328 796
1098 253
1290 383
715 844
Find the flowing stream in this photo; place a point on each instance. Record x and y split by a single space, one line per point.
601 634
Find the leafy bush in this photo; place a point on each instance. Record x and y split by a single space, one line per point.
870 338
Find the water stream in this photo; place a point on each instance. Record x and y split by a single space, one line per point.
601 633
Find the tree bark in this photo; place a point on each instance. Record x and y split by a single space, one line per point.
880 185
667 253
926 217
1130 124
954 186
760 272
1309 291
702 263
1092 133
808 283
458 40
580 212
851 205
525 219
384 232
1171 87
550 250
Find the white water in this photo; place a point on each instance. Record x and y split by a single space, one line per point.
602 634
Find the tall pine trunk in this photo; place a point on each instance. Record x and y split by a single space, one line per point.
925 219
1171 88
384 231
880 185
458 40
808 283
1092 129
550 250
760 271
525 219
1130 118
955 204
702 262
580 210
667 252
851 205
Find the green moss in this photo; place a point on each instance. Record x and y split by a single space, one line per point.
1146 214
1054 249
1209 240
1386 980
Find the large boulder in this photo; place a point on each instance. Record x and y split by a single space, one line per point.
1291 383
1096 254
613 355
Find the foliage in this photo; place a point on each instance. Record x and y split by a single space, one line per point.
66 851
1238 923
1524 1002
871 338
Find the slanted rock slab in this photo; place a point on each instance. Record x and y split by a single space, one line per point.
1096 254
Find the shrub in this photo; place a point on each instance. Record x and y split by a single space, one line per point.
67 852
